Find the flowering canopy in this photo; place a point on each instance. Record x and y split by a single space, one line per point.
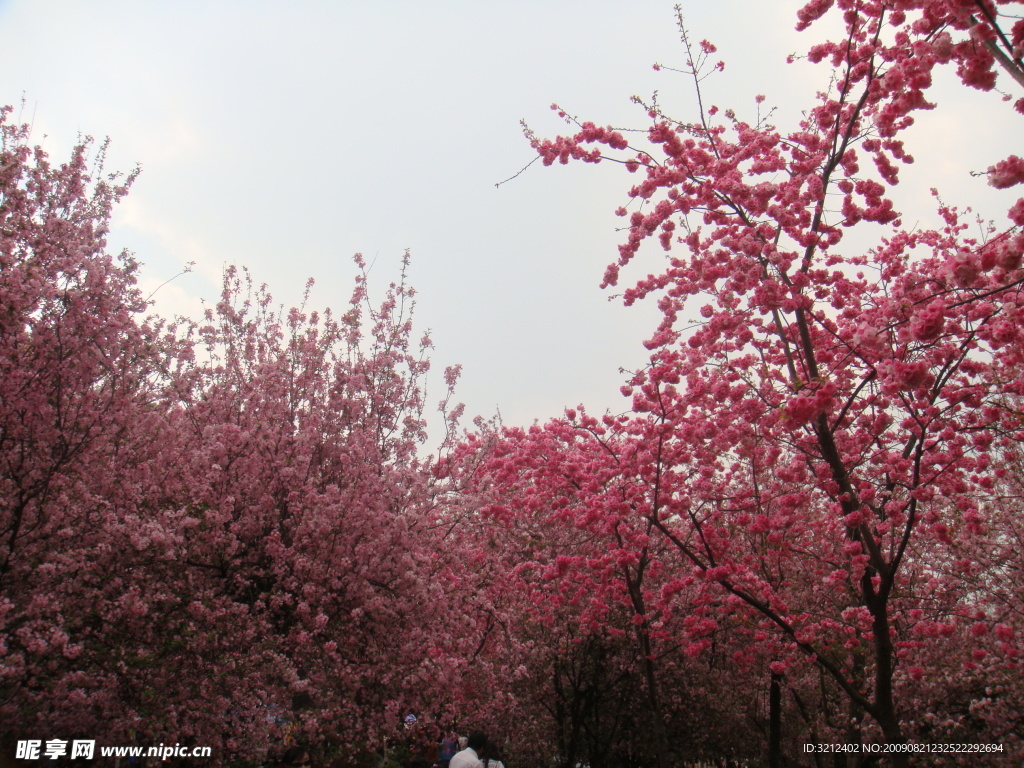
826 437
225 530
212 533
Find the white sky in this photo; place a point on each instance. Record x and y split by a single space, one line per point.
287 137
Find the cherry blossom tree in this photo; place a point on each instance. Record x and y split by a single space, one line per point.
226 532
826 430
219 533
294 494
608 670
78 370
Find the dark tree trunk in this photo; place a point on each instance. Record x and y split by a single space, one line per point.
775 722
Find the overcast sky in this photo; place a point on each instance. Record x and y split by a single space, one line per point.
287 137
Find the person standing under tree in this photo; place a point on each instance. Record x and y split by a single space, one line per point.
470 757
491 755
449 746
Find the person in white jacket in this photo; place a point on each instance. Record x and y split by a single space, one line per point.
491 755
470 757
